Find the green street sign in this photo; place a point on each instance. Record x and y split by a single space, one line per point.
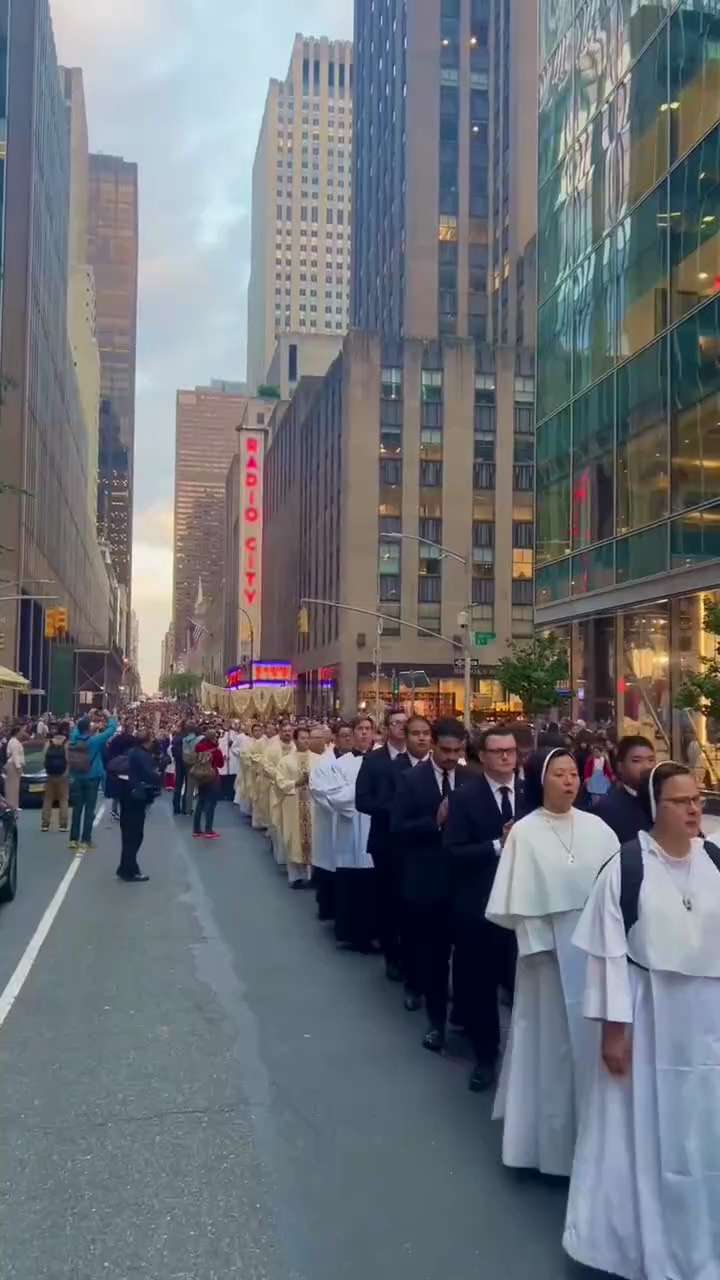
483 639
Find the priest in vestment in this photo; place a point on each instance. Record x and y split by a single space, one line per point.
241 746
546 870
282 746
323 779
645 1191
355 887
254 756
291 779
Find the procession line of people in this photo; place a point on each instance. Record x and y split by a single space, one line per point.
481 878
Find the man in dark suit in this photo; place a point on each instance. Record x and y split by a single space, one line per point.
480 817
620 808
419 815
374 795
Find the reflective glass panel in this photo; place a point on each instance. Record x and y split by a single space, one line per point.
595 57
555 122
596 185
699 736
593 570
695 227
640 156
593 495
552 583
553 487
637 21
645 657
641 245
555 248
642 554
695 538
555 336
595 307
642 439
555 18
694 105
696 408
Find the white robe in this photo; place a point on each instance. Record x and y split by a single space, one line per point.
539 893
323 777
351 828
645 1191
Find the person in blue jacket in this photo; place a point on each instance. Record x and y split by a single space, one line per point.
87 771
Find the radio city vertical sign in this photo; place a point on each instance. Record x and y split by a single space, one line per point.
252 457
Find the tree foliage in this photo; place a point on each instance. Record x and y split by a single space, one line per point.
181 684
533 671
701 691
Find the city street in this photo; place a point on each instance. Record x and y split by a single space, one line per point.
195 1085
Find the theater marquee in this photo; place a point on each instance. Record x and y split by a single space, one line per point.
252 461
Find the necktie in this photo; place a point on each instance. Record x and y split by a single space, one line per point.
506 808
445 784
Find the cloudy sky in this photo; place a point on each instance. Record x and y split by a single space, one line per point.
179 86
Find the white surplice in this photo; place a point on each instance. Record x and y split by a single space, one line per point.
323 779
352 828
645 1191
546 871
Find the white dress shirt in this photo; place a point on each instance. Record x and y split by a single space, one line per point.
394 752
439 777
497 789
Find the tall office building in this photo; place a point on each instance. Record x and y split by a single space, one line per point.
628 436
206 424
81 283
113 255
302 187
48 539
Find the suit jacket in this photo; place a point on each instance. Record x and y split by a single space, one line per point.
426 879
375 793
623 813
474 823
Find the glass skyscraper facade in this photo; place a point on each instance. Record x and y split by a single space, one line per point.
628 378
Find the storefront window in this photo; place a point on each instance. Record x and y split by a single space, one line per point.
642 454
694 72
641 264
695 226
645 682
698 736
594 464
593 669
696 408
553 484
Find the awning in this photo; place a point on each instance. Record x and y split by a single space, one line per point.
11 680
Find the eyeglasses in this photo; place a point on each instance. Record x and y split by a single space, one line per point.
684 802
500 751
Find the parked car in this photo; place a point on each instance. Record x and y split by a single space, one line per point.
8 852
34 777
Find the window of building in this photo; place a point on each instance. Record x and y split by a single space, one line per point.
593 488
595 313
695 402
552 583
555 345
389 559
483 476
429 590
641 267
391 383
593 570
553 486
448 227
522 592
390 472
695 227
431 474
556 110
642 555
432 385
694 86
642 439
390 587
524 419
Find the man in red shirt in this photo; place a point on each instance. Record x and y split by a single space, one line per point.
206 773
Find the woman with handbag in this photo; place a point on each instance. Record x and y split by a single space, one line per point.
138 791
206 775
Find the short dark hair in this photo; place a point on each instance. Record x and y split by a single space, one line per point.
343 724
448 729
481 739
393 711
659 777
629 743
418 720
302 728
362 719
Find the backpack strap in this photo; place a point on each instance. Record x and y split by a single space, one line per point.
631 877
713 853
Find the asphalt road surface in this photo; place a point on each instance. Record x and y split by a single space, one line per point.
194 1085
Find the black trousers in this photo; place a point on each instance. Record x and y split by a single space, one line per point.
132 830
483 961
179 784
429 941
227 783
355 907
324 883
389 906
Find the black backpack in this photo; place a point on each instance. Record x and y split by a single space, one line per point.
56 760
631 878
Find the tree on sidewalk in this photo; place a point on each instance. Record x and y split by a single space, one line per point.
181 684
701 690
533 672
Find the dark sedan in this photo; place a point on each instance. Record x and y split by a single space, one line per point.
8 852
34 777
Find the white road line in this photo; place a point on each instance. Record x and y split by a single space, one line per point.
99 814
30 955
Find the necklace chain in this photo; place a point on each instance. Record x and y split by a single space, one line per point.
567 847
664 861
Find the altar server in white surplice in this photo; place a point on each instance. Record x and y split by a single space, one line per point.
645 1190
546 871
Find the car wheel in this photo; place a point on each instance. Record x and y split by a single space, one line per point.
9 889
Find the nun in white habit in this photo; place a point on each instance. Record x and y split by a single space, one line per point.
547 868
645 1191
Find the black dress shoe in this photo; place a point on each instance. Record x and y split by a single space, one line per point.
482 1078
297 884
139 878
434 1041
413 1003
392 973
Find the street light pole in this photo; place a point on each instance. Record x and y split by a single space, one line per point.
467 562
252 642
378 664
